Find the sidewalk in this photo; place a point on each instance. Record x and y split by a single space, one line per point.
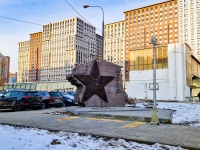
123 113
56 119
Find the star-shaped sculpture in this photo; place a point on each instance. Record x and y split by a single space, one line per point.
94 83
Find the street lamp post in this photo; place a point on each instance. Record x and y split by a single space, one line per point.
36 71
86 6
154 118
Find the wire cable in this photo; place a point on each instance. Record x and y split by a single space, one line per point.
81 15
89 22
21 20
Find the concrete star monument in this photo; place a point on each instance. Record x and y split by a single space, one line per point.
98 84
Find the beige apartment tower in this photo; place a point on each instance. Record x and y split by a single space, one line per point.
4 69
35 56
23 61
160 20
65 44
99 55
189 24
114 43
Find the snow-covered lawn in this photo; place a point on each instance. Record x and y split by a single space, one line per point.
17 138
185 113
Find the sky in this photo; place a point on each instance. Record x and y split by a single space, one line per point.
42 12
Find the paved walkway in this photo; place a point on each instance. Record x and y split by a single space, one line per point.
51 119
123 113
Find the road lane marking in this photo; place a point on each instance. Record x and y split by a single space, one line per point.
68 118
133 124
106 120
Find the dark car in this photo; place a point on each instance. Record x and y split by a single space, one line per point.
50 99
56 99
45 98
68 100
72 93
1 93
19 100
14 89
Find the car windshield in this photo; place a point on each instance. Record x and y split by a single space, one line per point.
15 93
55 94
42 94
64 93
68 95
72 93
7 94
32 93
12 94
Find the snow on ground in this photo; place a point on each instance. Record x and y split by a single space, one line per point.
18 138
185 113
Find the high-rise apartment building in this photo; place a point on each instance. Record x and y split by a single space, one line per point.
35 56
160 20
23 61
189 24
12 77
65 44
99 40
8 67
4 69
114 43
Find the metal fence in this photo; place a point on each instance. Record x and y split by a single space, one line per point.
46 86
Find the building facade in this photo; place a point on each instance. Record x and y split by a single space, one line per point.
99 40
174 73
23 61
12 77
160 20
189 24
65 44
114 43
4 69
35 57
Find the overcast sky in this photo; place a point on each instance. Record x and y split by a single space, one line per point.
46 11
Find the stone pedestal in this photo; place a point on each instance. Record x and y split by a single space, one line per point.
98 84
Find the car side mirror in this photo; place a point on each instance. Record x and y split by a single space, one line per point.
2 96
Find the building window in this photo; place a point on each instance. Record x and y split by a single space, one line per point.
143 59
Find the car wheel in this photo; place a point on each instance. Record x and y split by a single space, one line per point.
17 107
44 105
64 105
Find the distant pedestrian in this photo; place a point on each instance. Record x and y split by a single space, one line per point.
199 95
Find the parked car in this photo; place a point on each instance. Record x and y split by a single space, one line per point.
68 100
56 99
14 89
45 98
1 93
72 93
50 99
20 100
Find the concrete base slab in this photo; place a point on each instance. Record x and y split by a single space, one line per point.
124 113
